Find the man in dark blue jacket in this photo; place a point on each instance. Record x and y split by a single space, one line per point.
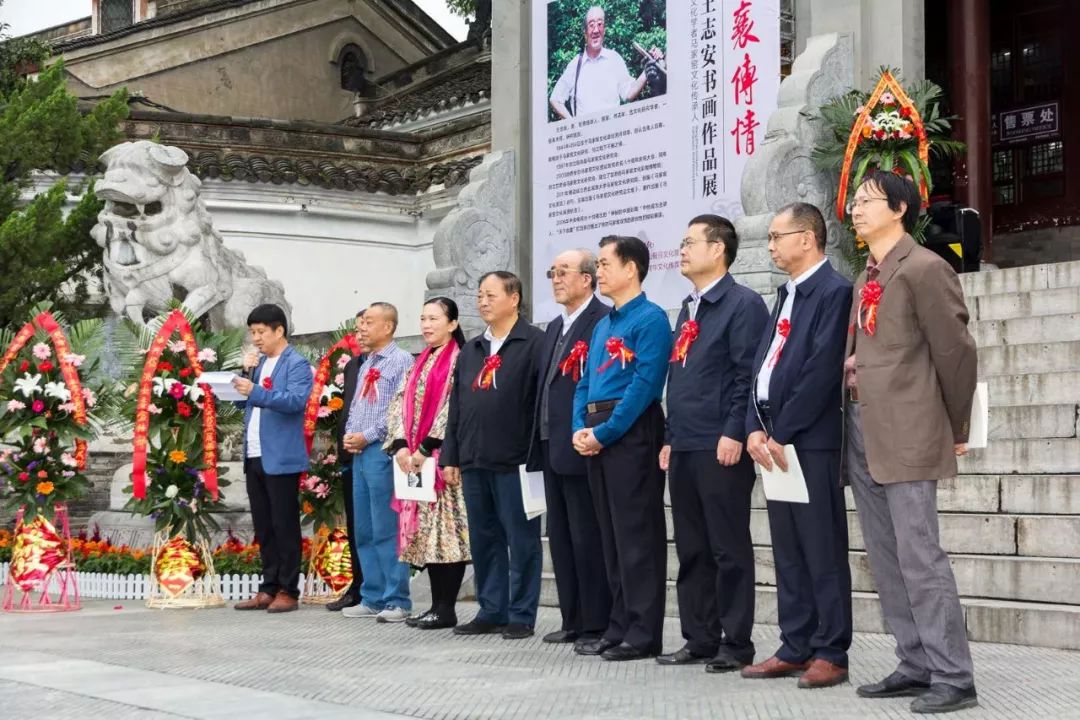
796 400
274 454
572 529
710 477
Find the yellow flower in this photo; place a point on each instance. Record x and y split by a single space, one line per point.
44 488
308 508
178 456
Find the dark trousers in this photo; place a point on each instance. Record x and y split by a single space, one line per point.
506 551
628 489
445 585
810 551
350 527
576 553
710 506
275 512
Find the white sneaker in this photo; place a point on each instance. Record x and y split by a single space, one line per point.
392 615
359 611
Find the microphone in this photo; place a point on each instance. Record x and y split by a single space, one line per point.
248 373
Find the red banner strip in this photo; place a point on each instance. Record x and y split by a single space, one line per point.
322 376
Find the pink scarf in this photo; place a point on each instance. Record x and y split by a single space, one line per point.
436 392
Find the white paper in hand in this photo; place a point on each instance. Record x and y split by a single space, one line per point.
533 497
787 486
415 486
979 426
220 382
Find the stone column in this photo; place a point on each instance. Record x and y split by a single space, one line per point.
969 59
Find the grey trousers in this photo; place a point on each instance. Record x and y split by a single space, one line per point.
914 580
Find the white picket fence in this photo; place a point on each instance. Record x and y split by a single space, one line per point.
137 587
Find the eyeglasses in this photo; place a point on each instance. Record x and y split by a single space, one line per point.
775 236
861 202
561 272
688 243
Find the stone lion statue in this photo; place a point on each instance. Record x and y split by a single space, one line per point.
160 243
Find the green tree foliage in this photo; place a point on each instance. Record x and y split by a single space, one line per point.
41 127
625 22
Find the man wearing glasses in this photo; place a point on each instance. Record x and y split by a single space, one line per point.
796 400
710 477
572 529
597 78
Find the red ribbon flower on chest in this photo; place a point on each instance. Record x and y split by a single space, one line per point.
485 379
616 350
268 383
783 329
370 389
574 363
869 300
687 335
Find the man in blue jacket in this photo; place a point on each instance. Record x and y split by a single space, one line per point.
619 427
796 400
274 454
711 478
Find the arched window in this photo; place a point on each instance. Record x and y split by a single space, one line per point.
116 14
353 66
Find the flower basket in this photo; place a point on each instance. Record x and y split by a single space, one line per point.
41 576
329 567
182 574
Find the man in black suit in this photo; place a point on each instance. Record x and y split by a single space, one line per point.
710 477
351 596
797 400
572 528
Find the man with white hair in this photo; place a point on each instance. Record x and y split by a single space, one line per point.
597 78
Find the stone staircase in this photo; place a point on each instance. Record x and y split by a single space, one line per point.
1011 521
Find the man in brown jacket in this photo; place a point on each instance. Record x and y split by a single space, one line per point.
909 396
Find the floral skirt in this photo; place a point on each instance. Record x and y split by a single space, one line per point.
443 532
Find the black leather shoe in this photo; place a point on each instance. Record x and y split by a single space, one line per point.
896 685
682 656
517 631
624 652
596 647
561 636
479 627
942 698
435 620
723 663
343 602
413 619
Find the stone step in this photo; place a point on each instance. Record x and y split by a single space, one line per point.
1001 621
1035 388
1049 456
1024 330
1036 579
1013 359
1034 303
1021 279
1038 494
969 493
1018 422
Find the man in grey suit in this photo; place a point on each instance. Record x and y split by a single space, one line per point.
910 378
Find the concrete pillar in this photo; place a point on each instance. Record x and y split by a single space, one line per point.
887 32
510 123
969 58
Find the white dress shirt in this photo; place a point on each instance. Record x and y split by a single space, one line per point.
695 297
254 445
602 84
765 374
496 343
568 320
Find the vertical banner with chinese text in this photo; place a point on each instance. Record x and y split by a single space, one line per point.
644 113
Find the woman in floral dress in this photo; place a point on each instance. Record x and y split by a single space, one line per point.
432 535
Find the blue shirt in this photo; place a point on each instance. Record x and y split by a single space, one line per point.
367 415
643 327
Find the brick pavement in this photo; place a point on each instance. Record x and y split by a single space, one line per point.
138 663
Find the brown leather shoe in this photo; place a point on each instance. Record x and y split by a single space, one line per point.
283 602
259 602
774 667
822 674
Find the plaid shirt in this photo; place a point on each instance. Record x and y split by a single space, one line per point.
367 415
